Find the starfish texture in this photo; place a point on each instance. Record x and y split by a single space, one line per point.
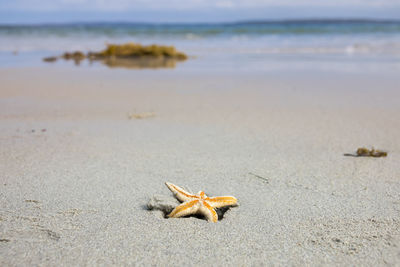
198 203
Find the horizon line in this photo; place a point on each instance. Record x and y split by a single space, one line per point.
235 22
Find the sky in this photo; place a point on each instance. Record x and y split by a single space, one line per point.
62 11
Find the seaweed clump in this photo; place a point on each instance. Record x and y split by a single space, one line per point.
76 56
129 55
143 115
365 152
133 50
50 59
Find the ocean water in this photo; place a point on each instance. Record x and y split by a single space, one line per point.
248 46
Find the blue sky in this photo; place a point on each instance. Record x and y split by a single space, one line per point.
59 11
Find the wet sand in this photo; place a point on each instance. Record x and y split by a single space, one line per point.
77 170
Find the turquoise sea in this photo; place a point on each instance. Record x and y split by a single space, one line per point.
256 45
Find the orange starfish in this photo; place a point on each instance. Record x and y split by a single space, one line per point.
199 203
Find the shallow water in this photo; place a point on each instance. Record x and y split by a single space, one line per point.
297 45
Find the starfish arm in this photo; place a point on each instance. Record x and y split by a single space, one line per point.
219 202
184 209
179 193
208 212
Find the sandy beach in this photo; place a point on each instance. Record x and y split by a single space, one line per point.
77 170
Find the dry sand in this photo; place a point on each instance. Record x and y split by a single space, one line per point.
76 173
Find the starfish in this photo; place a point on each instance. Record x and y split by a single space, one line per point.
198 203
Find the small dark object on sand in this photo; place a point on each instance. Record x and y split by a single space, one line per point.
31 201
50 59
260 177
365 152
